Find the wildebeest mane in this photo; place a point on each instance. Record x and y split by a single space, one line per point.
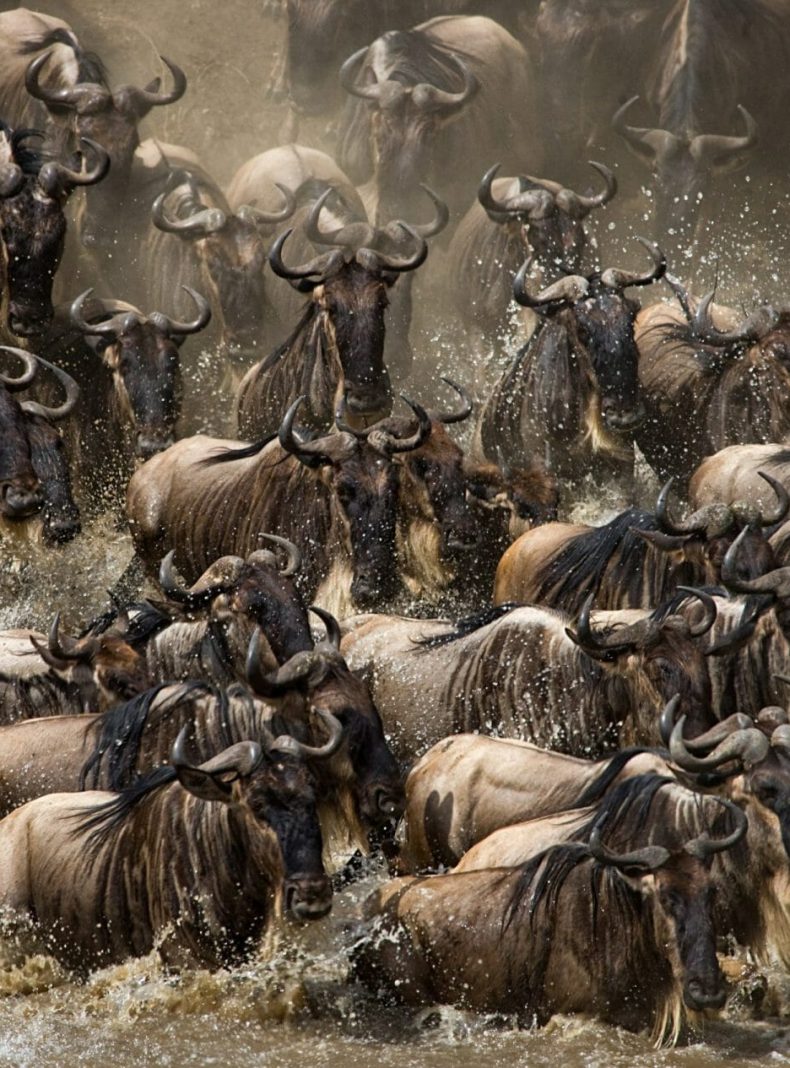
467 625
628 803
90 66
579 567
103 819
416 58
595 790
225 456
119 733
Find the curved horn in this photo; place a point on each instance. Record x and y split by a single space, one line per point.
782 499
440 219
599 199
463 413
90 94
389 444
713 149
665 521
54 177
169 583
617 279
199 224
302 667
288 744
399 263
703 328
650 858
293 560
66 648
681 293
743 630
709 605
309 452
617 642
352 235
500 211
776 583
299 276
242 757
704 846
330 623
53 415
175 326
426 95
348 73
255 214
646 142
13 385
666 721
157 99
105 329
711 738
571 288
748 746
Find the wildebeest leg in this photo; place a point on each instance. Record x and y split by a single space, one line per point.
129 586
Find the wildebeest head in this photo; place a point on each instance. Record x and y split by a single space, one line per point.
598 320
684 166
259 589
550 216
348 288
703 539
770 590
685 892
273 786
33 472
231 246
364 484
33 193
111 119
142 354
413 87
433 480
660 654
749 362
365 762
748 759
105 668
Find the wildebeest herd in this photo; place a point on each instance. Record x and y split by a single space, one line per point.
359 619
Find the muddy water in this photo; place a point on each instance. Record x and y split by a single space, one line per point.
297 1008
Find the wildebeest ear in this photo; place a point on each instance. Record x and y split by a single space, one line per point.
204 785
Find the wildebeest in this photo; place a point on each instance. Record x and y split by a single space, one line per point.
423 96
359 785
712 63
72 86
742 473
34 470
707 385
200 241
197 862
628 935
321 33
523 673
71 676
572 392
513 216
582 37
337 348
335 496
128 365
470 785
33 191
637 560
